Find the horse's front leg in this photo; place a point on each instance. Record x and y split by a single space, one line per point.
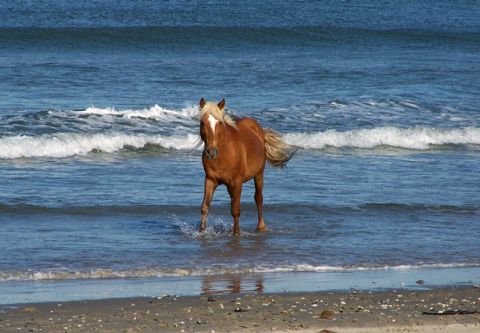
235 192
210 186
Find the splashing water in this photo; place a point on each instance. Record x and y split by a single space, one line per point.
217 227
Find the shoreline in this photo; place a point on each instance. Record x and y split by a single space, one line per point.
352 311
45 290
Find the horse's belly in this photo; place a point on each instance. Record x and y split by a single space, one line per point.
253 166
226 172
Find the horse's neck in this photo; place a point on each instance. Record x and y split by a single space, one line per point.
230 136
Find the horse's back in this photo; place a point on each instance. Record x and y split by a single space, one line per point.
250 124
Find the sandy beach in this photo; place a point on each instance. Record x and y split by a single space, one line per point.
442 310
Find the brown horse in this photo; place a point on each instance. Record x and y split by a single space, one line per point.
235 152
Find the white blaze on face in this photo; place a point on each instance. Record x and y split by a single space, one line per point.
213 122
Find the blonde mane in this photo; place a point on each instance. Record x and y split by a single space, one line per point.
220 115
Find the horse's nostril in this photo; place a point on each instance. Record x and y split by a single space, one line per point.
211 153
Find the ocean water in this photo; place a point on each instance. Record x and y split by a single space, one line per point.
100 170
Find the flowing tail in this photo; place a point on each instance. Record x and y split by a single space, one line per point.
278 151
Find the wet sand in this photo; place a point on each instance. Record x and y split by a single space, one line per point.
353 311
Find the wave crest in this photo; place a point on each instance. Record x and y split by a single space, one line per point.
71 144
154 112
418 138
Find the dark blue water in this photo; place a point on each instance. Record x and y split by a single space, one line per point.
99 175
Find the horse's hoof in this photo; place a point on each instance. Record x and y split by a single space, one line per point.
261 229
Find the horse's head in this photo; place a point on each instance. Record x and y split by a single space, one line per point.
212 120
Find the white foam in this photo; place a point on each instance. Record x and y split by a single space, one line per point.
409 104
418 138
154 112
216 270
71 144
216 228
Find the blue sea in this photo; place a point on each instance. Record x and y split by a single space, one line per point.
101 178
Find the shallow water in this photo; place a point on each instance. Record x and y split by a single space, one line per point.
100 171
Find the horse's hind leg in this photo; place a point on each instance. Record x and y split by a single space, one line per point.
210 187
259 201
235 192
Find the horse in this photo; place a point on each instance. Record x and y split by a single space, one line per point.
235 151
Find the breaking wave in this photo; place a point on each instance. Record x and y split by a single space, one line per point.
179 272
60 145
71 144
154 112
417 138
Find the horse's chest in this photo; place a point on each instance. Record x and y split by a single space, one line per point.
223 170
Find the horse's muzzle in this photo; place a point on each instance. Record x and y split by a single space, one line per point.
211 153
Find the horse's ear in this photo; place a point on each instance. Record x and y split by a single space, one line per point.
221 104
202 102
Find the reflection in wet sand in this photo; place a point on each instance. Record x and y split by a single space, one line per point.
250 247
232 284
